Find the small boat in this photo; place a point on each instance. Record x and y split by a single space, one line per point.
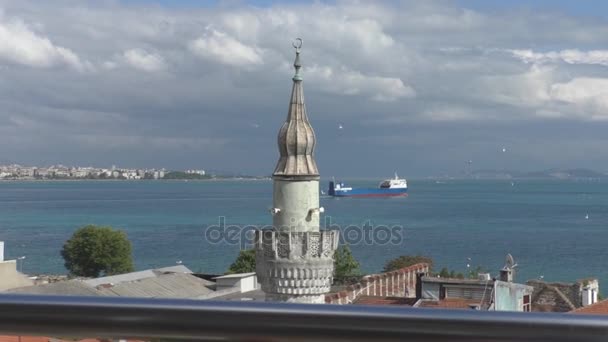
387 188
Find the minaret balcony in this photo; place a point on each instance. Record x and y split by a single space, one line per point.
298 263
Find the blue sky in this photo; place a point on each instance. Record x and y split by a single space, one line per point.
418 87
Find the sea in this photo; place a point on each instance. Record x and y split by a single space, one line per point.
556 230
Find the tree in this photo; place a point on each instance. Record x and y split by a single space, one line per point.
93 251
345 264
405 261
444 273
474 273
244 263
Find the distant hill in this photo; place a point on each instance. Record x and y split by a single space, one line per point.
565 174
578 173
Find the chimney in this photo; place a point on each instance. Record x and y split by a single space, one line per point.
506 274
590 291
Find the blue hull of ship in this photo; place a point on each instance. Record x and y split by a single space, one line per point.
366 192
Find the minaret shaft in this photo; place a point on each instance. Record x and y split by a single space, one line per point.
299 203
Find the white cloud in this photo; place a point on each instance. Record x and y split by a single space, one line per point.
570 56
109 65
142 60
528 89
157 142
451 113
242 24
350 82
591 94
19 44
223 48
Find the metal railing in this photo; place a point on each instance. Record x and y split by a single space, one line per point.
205 320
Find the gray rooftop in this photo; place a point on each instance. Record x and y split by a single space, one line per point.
257 295
62 288
120 278
457 281
171 285
236 275
168 282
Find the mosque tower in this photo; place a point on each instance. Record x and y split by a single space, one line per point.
294 259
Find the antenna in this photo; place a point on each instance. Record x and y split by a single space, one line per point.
510 262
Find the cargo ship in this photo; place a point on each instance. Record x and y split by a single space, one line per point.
387 188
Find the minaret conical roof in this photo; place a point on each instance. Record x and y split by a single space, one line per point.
296 137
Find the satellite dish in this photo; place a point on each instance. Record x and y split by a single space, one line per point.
509 261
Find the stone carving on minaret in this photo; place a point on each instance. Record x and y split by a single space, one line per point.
294 259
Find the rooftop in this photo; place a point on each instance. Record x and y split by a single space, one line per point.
151 273
173 285
256 295
449 303
62 288
378 300
236 275
168 282
456 281
599 308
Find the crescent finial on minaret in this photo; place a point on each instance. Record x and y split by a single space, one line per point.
297 44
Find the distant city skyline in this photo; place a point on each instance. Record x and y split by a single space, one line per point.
420 88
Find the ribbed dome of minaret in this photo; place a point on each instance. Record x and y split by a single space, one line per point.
296 136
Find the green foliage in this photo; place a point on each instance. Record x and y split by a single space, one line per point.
405 261
444 273
184 175
345 264
244 263
474 273
94 251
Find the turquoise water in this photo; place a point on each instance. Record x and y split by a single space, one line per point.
542 223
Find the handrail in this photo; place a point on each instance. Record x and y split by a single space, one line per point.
189 319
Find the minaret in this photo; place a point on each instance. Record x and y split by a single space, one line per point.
294 259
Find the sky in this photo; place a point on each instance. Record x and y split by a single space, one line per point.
418 87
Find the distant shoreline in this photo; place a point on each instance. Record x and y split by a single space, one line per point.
136 180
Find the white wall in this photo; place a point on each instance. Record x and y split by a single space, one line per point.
10 278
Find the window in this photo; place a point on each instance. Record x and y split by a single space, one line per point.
527 306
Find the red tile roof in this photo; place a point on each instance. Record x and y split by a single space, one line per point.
378 300
599 308
449 303
24 338
4 338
